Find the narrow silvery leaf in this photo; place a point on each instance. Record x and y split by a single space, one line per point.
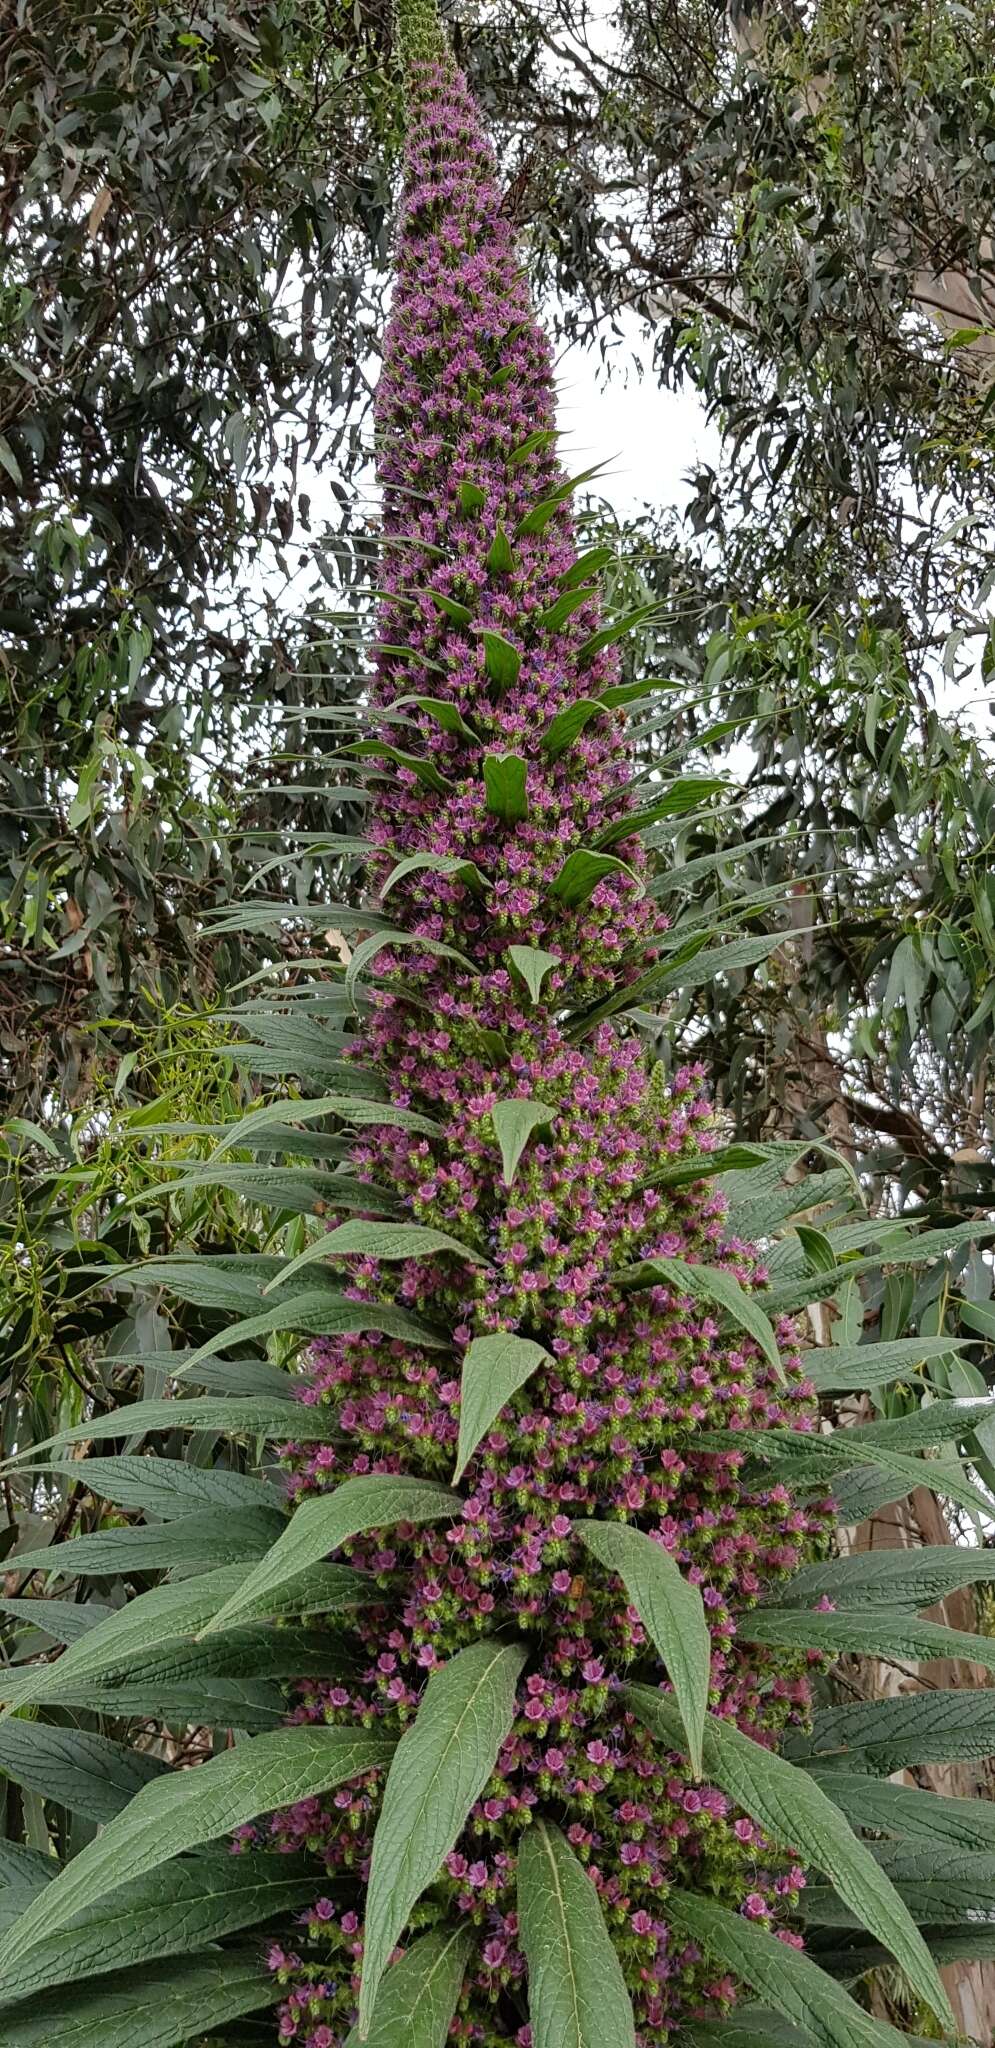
795 1813
494 1368
442 1764
577 1994
790 1982
418 1994
671 1611
253 1417
184 1809
374 1500
514 1122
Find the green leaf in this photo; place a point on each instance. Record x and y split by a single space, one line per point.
886 1634
889 1578
556 615
502 661
499 560
350 1109
444 714
494 1368
216 1536
817 1247
460 614
532 964
471 497
184 1809
577 1994
797 1815
854 1368
885 1736
791 1982
917 1816
608 635
514 1122
64 1620
199 1902
418 1994
713 1286
505 783
386 1241
405 1119
538 519
586 566
447 864
672 1612
681 797
162 1620
442 1763
567 726
816 1458
145 2008
87 1773
543 437
167 1486
582 871
705 1165
424 770
256 1418
370 1501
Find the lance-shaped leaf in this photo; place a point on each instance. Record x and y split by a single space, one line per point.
499 558
387 1241
902 1637
514 1122
916 1816
494 1368
87 1773
556 614
171 1615
567 726
606 636
424 770
442 1764
682 796
587 565
533 964
582 871
812 1460
790 1982
577 1994
164 1913
168 1486
856 1368
253 1417
418 1994
796 1814
143 2008
502 661
447 864
217 1536
715 1287
671 1610
885 1736
369 1501
505 782
187 1808
444 715
274 1116
889 1578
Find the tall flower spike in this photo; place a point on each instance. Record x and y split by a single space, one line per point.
505 862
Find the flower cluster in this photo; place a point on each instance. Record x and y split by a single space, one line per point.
499 696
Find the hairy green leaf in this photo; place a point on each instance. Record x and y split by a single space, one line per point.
533 964
797 1815
505 785
493 1369
791 1982
671 1611
144 2008
368 1501
418 1994
187 1808
577 1994
582 871
388 1241
442 1764
514 1122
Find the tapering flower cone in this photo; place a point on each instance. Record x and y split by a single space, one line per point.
512 873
